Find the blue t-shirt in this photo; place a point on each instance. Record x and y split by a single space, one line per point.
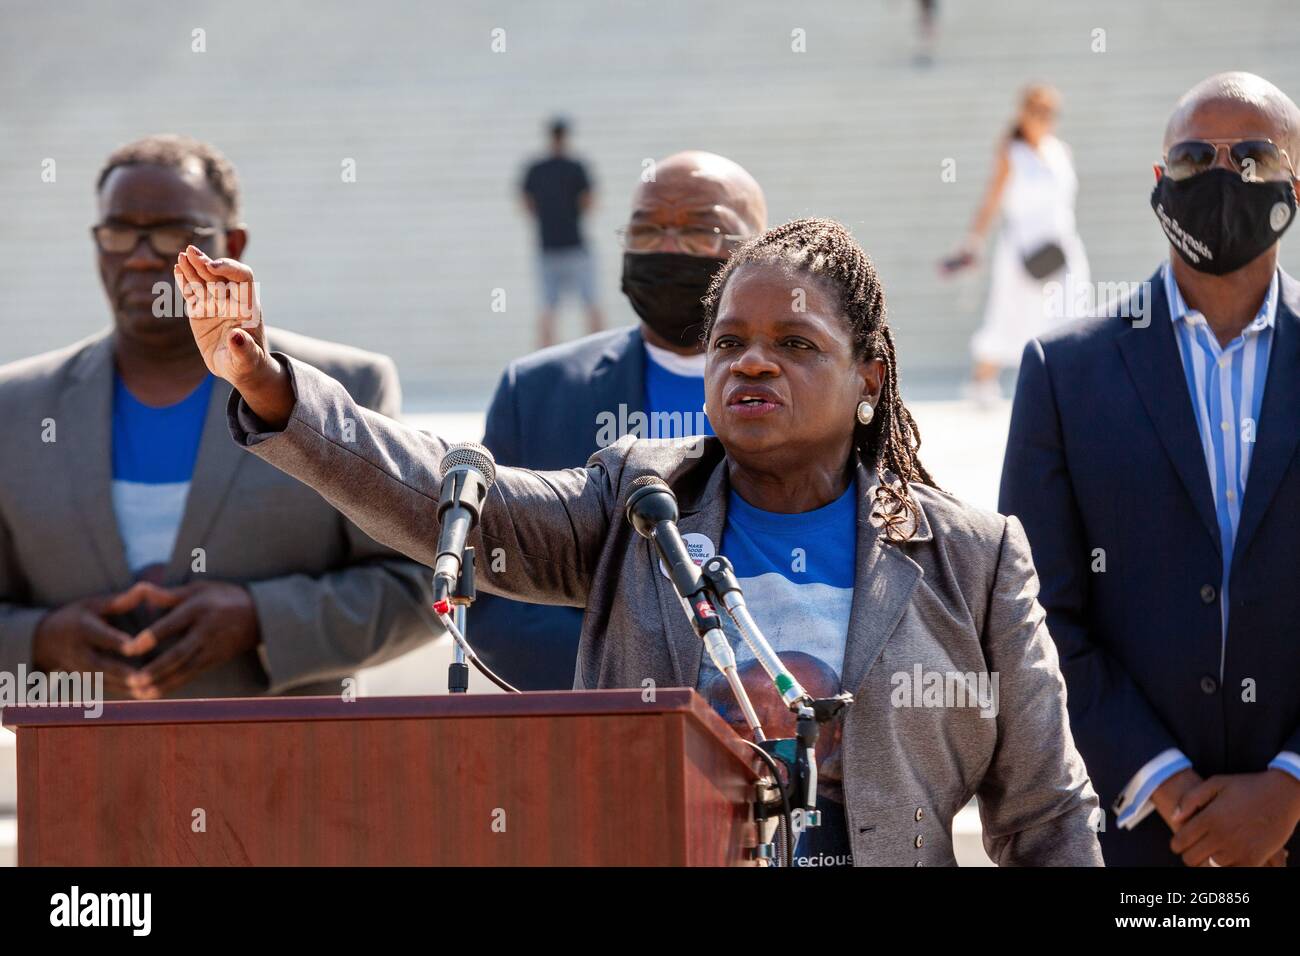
797 573
154 450
674 403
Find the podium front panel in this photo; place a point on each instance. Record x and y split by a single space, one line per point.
592 778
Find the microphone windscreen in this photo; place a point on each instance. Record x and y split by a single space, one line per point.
473 455
649 502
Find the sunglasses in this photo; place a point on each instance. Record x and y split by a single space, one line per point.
705 241
1257 160
163 240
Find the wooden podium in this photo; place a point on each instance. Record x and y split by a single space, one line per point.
584 778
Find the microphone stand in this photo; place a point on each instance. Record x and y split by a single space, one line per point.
651 509
797 753
720 576
703 616
772 796
451 611
462 596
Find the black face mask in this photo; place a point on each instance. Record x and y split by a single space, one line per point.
665 289
1218 222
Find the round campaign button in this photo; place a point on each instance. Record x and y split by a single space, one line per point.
698 546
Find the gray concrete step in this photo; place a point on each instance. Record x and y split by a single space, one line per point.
404 260
8 799
8 840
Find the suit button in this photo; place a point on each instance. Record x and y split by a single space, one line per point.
919 841
1209 685
1207 593
919 813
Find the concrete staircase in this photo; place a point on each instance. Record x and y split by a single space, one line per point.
405 259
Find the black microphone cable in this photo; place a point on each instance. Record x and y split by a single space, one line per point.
443 609
786 821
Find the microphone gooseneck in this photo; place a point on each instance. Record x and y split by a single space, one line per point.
721 576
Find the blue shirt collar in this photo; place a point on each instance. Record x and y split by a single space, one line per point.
1178 310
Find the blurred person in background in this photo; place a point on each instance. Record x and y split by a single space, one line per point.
133 539
1039 266
1153 460
927 32
557 192
557 407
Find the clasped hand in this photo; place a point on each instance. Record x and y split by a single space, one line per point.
205 623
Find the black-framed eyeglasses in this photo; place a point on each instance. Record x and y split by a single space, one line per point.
1256 159
169 240
692 240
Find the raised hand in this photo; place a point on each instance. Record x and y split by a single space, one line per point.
226 320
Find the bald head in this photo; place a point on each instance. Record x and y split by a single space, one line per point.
1235 106
696 188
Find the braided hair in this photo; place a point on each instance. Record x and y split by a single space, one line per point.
825 249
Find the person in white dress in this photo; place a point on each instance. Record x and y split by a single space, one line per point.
1039 270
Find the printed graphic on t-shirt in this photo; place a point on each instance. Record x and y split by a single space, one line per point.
796 571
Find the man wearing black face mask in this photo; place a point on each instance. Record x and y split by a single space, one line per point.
1153 461
554 408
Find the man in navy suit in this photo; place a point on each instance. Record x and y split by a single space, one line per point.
554 408
1153 461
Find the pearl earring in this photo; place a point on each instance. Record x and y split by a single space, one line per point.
865 412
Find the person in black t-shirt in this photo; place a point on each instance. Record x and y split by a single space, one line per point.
557 191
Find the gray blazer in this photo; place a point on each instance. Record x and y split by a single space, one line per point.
959 596
329 599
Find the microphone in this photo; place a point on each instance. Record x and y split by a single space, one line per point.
468 471
652 510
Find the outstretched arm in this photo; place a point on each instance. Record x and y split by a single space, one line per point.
544 529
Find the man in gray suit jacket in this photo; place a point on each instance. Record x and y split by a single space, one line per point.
121 548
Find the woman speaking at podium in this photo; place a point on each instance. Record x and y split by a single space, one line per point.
863 575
